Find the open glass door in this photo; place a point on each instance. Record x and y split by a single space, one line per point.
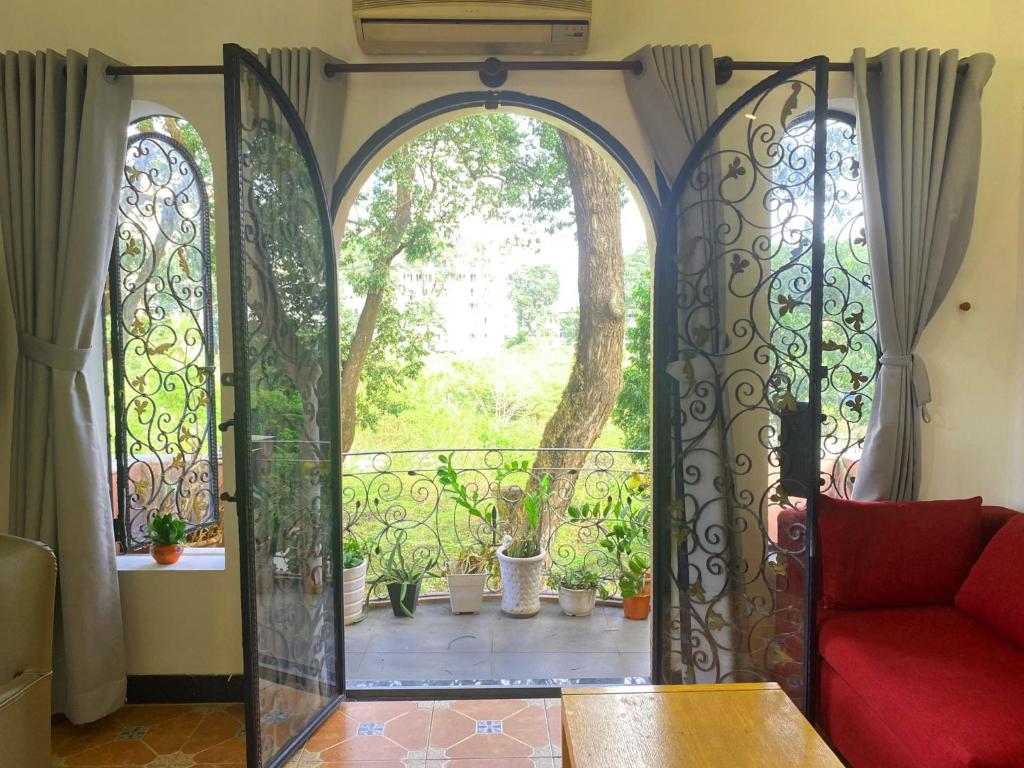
286 378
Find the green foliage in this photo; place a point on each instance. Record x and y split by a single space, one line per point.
497 166
354 551
403 341
576 577
531 292
396 568
166 530
632 412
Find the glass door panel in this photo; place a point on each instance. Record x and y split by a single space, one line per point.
286 378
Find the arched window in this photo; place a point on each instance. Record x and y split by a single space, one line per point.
162 334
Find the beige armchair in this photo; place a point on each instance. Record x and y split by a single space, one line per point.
28 578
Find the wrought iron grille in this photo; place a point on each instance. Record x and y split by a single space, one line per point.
740 341
162 341
384 492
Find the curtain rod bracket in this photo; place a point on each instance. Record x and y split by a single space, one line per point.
723 70
493 73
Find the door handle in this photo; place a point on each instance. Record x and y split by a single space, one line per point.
230 498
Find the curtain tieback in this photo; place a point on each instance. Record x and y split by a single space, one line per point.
918 378
52 355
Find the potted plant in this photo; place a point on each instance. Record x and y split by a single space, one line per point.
355 556
578 587
166 538
403 577
627 539
467 576
521 556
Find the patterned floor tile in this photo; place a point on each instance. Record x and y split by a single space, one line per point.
505 733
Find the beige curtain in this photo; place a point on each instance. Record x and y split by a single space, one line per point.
919 125
63 128
676 102
320 101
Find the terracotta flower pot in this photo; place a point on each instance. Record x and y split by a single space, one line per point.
637 608
167 554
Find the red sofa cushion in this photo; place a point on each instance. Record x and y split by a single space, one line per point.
885 554
941 682
994 590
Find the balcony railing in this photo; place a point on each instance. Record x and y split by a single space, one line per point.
384 492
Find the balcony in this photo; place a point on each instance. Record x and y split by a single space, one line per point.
397 499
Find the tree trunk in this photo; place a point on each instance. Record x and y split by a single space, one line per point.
596 377
366 327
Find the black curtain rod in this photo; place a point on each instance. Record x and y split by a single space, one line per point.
494 72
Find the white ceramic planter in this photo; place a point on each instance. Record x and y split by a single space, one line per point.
466 591
520 584
354 582
576 602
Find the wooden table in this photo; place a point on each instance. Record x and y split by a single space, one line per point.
697 726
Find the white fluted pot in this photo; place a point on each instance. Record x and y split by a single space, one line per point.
520 584
354 580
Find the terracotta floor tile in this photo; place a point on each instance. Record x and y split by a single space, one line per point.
411 730
448 727
150 714
215 728
489 709
529 725
504 762
231 751
113 753
490 746
365 748
376 711
170 735
554 715
67 739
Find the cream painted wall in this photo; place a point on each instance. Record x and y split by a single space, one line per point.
971 446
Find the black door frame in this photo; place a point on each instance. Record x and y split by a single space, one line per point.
234 58
665 393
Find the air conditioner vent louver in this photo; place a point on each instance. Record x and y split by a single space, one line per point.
472 26
580 6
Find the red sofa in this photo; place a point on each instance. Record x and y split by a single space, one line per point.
921 634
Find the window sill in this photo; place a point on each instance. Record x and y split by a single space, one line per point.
199 559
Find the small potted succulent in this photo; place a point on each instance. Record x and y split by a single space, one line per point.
403 576
467 575
578 587
355 556
166 535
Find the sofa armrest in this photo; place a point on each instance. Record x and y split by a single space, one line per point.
25 720
28 577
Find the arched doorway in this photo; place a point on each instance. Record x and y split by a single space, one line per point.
369 513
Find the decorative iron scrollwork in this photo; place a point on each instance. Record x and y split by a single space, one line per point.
162 331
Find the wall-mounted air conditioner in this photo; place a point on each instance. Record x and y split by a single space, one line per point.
472 26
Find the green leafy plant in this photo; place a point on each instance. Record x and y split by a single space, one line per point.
627 532
520 533
396 568
354 551
578 578
166 530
